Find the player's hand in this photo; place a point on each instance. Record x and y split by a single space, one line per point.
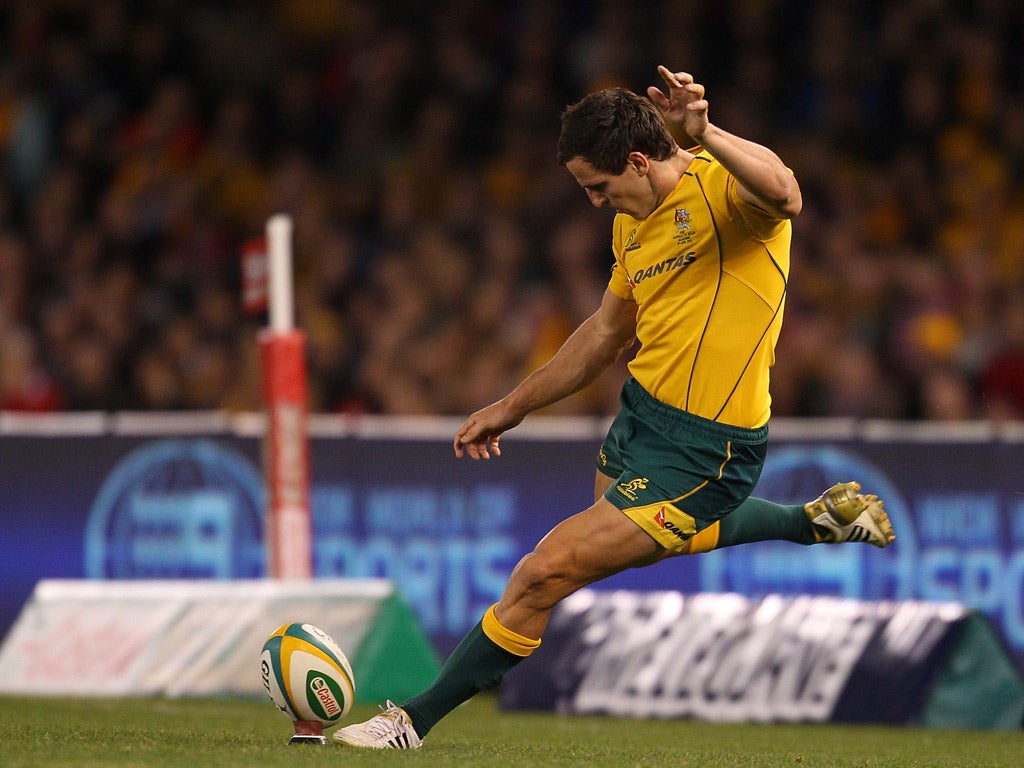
480 434
684 104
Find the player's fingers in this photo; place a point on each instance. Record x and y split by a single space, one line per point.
674 80
464 437
476 439
695 89
655 95
466 446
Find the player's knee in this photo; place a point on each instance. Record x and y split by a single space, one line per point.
543 578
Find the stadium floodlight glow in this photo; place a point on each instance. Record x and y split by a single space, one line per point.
286 446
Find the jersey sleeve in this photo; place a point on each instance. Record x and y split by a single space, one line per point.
761 224
619 282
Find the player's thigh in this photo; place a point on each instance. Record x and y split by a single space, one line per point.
601 484
598 542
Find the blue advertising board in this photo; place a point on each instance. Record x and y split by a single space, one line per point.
448 532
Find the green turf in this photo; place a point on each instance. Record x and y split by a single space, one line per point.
144 733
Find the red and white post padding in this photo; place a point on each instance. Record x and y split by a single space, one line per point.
286 445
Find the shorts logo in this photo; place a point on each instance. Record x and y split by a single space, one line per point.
669 526
629 489
602 458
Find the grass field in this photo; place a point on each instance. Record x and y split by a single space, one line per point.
52 733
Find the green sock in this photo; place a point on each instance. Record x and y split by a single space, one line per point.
760 520
477 664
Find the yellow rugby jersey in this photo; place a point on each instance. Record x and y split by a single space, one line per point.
708 273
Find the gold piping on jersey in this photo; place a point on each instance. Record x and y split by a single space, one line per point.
714 303
706 269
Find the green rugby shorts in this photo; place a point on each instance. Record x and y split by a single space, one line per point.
674 473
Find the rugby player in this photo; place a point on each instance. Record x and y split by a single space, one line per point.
701 242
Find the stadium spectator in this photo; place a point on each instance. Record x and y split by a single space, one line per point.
143 143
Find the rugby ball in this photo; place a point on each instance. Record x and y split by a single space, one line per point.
306 674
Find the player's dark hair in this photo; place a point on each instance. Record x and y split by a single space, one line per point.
604 127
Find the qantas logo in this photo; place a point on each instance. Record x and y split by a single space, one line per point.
663 267
669 526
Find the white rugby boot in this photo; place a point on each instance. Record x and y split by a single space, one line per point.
391 729
842 514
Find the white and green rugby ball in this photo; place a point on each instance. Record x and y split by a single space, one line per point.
306 674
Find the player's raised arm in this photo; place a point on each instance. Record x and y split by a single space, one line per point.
591 349
763 178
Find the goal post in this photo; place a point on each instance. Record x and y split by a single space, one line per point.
286 443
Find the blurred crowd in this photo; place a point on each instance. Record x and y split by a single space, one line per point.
441 252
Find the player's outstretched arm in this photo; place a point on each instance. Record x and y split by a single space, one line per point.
480 434
592 347
763 178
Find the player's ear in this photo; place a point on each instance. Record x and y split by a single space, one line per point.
638 163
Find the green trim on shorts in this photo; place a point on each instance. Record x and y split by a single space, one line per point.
674 473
